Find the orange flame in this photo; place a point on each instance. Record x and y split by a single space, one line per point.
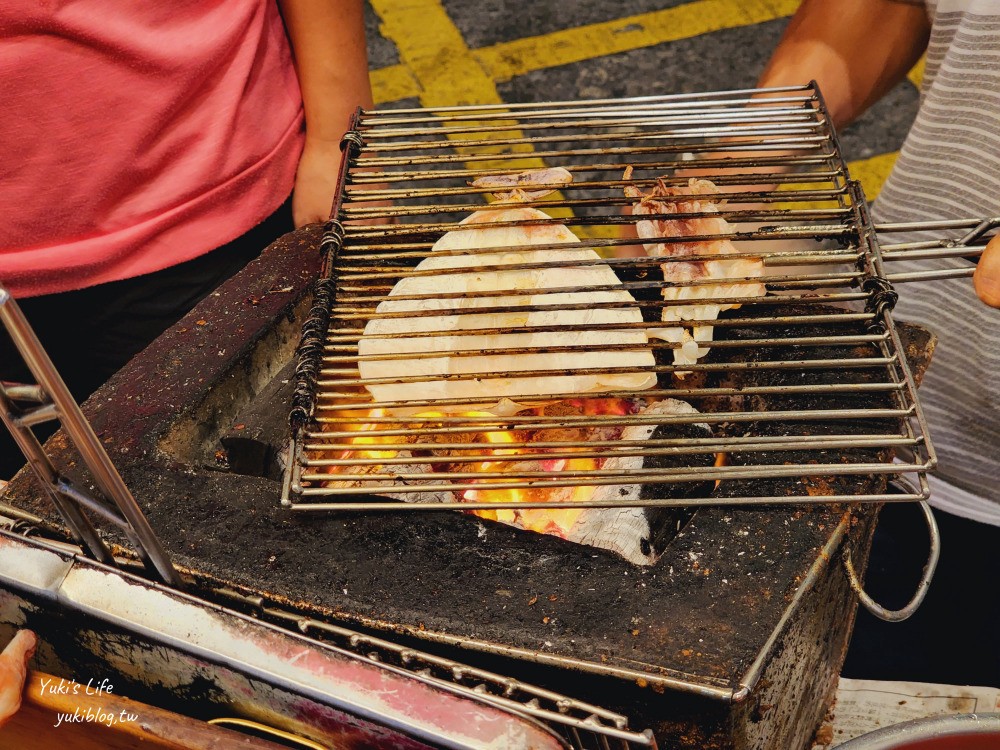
366 440
556 521
506 495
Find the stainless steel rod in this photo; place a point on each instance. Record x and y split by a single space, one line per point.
414 492
503 454
349 402
860 362
457 353
80 432
346 334
22 392
76 521
776 142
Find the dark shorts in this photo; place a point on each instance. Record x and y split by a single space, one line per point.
91 333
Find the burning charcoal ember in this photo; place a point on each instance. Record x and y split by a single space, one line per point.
404 486
577 408
388 459
636 533
854 406
685 279
442 295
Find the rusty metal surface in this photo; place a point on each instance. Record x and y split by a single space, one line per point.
210 662
699 618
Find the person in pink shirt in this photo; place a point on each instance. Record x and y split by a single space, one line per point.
150 150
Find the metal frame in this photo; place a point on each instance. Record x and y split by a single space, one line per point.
582 725
777 161
968 240
219 630
51 400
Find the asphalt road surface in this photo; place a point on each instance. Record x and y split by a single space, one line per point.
451 52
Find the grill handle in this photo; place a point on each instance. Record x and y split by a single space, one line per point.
898 615
967 246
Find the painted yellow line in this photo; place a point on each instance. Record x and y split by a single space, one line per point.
916 75
431 47
872 172
508 59
440 68
393 83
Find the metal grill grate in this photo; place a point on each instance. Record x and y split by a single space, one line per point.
415 385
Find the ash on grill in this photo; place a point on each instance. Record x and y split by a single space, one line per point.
508 348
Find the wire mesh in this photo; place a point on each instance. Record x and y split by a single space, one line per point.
688 307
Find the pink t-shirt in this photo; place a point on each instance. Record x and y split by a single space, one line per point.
137 135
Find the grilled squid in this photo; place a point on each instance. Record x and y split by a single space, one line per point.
509 304
692 279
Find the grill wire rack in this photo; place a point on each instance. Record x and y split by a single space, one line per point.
804 396
953 246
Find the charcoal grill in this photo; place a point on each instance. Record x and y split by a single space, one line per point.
59 570
808 383
736 635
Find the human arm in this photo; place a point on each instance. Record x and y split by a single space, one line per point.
14 671
855 49
987 275
328 41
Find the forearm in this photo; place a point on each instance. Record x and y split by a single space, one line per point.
855 49
331 61
328 41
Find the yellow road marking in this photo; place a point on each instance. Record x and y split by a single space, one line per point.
505 60
393 83
916 74
439 68
433 50
872 172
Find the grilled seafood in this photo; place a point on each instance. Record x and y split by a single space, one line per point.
494 296
697 218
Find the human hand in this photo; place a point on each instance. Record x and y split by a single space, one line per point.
987 275
14 671
316 181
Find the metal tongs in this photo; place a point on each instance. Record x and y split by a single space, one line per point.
22 406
